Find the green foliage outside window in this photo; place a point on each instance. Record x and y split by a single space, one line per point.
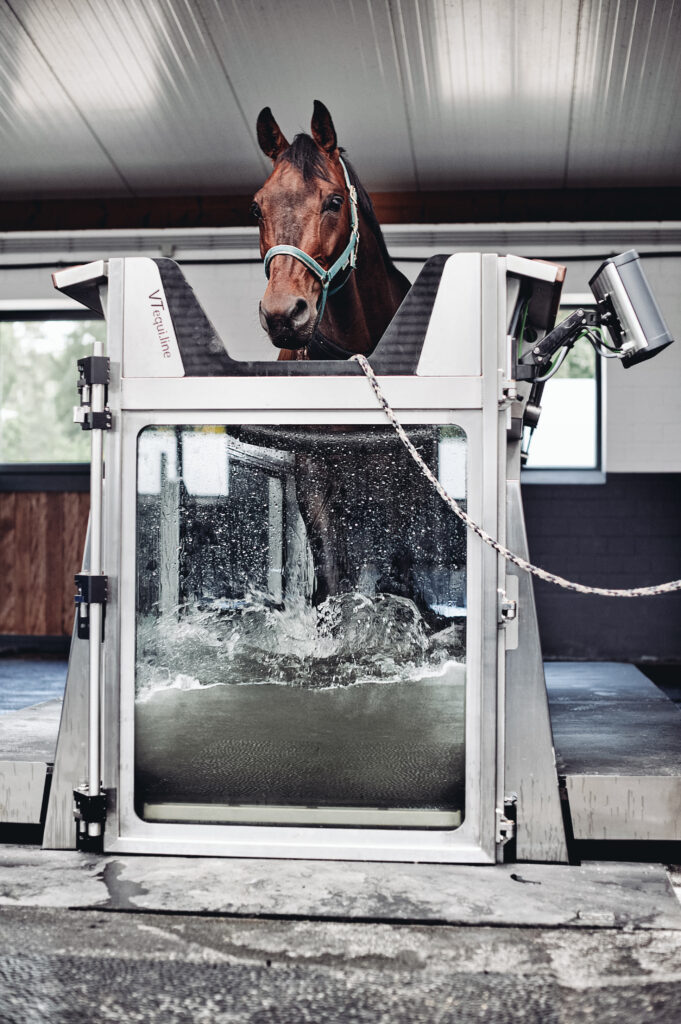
38 389
580 363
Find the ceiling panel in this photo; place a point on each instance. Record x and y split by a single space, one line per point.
627 123
489 89
111 97
148 82
285 55
45 145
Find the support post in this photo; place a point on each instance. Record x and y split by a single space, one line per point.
93 415
530 759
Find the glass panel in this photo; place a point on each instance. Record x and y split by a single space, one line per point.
301 623
38 389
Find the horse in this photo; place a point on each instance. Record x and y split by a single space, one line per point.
332 288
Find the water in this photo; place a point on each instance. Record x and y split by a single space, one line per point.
253 690
350 640
353 704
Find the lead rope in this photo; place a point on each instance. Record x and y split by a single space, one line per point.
559 581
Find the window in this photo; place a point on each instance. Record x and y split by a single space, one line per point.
293 647
38 353
568 436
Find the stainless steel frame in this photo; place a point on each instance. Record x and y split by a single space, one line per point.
451 844
476 404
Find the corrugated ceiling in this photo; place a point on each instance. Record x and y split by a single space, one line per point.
117 97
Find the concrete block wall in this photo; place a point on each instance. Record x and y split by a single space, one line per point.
623 533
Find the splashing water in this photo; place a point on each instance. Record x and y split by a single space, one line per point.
350 639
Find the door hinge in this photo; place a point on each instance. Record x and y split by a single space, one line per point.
90 589
507 608
89 811
508 394
92 370
506 821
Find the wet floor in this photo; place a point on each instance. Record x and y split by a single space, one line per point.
30 680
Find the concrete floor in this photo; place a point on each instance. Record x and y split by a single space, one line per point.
85 937
75 966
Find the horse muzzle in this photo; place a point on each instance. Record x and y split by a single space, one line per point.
291 327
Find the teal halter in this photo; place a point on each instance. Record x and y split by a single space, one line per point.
348 258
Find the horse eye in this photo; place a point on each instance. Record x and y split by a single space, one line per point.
256 211
334 203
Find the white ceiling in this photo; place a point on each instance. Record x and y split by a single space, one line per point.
160 97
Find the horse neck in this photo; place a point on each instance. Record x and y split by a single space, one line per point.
359 313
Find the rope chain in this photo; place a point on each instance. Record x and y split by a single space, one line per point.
543 574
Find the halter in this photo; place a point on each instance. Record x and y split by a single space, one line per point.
347 258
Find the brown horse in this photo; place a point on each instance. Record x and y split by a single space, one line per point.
332 291
315 218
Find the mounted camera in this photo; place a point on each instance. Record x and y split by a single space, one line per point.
626 308
626 312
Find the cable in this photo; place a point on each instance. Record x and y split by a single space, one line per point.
522 563
521 335
555 368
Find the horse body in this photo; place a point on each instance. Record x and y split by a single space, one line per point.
316 219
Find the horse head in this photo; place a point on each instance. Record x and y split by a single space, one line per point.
312 210
307 213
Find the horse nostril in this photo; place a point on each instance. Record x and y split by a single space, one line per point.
299 312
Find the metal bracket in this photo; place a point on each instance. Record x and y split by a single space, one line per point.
92 370
507 611
509 394
536 360
89 813
91 589
92 420
507 608
506 820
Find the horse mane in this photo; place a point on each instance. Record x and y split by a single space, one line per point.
305 156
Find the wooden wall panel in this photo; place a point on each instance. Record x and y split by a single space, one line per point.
75 527
41 543
8 582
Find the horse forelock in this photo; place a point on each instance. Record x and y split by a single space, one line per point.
306 157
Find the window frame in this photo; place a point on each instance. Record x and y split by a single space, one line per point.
45 476
578 474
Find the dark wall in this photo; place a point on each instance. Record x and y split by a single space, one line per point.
486 206
624 533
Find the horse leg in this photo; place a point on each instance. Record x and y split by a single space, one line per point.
314 491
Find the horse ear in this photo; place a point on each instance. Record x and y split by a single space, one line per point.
270 138
323 131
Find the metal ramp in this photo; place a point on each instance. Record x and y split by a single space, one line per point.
618 745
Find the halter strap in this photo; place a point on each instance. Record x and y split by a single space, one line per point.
323 348
348 258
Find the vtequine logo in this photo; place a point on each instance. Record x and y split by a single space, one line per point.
157 310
